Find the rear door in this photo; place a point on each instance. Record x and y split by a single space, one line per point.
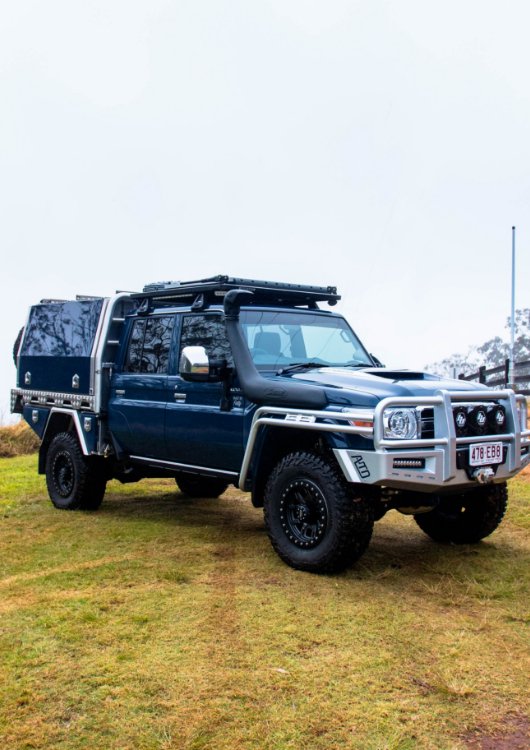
139 388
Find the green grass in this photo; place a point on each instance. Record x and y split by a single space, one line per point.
160 622
17 440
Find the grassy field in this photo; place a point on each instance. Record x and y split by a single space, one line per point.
17 440
160 622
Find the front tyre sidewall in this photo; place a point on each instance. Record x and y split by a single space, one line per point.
313 521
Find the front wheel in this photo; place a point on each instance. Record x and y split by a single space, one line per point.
313 520
74 481
466 517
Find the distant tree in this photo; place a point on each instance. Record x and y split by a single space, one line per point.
491 353
452 366
522 334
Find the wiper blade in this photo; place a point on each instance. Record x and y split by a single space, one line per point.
301 366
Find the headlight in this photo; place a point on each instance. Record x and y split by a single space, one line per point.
400 424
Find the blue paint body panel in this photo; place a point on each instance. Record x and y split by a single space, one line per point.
36 417
55 373
137 416
197 431
90 425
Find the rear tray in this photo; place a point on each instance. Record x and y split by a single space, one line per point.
56 351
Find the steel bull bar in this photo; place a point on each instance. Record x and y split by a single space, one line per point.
420 464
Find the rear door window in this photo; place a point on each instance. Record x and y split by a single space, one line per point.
149 345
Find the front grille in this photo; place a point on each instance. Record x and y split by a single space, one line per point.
475 420
427 423
471 420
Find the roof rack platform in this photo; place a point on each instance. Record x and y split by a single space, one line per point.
265 292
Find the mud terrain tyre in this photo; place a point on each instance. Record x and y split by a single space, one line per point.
195 486
314 521
74 481
466 517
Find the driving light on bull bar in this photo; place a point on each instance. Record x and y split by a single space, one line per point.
400 424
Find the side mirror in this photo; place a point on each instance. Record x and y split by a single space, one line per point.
194 364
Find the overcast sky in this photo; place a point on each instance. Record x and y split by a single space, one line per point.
383 147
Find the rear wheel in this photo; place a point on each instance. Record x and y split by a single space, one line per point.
74 481
466 517
313 520
197 486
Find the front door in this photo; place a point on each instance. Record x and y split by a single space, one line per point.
199 432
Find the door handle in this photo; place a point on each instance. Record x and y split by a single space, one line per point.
120 392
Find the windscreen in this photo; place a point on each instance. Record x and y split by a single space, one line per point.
280 339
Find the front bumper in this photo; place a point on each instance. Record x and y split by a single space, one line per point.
424 465
369 467
433 464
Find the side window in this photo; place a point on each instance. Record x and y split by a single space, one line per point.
208 331
148 350
133 362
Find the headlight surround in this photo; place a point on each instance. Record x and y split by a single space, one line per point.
400 424
360 418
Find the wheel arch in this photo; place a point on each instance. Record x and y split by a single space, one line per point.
272 444
60 420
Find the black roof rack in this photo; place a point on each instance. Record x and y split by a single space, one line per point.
265 292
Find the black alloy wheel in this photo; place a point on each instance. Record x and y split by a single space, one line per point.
303 513
314 519
63 471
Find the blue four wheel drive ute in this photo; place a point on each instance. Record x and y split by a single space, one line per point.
236 381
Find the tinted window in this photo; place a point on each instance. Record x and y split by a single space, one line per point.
149 345
208 331
136 344
62 329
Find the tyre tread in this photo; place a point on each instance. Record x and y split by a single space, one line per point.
353 516
473 526
90 483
